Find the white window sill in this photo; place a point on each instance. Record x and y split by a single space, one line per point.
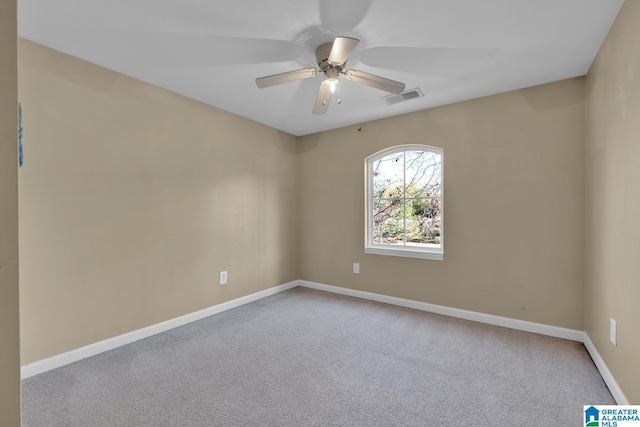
404 251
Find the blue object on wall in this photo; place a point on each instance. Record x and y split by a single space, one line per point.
20 149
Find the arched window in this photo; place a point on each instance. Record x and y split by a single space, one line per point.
404 202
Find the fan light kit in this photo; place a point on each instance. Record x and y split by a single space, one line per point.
331 58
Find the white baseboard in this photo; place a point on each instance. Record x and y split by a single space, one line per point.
63 359
608 378
522 325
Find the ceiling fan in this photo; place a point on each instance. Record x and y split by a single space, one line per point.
331 57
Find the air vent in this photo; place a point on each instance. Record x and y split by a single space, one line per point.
404 96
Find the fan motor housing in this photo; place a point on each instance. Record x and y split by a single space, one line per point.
322 56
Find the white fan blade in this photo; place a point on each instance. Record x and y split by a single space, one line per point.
374 81
342 48
289 76
431 61
152 50
339 16
323 98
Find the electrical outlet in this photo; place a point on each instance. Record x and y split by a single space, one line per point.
223 277
356 268
613 332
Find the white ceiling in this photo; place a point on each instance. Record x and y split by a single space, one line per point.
212 51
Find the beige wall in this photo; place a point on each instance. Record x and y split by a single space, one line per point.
9 325
133 199
514 186
613 200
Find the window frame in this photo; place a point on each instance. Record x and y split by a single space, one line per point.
370 247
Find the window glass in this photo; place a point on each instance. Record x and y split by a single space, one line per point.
405 204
